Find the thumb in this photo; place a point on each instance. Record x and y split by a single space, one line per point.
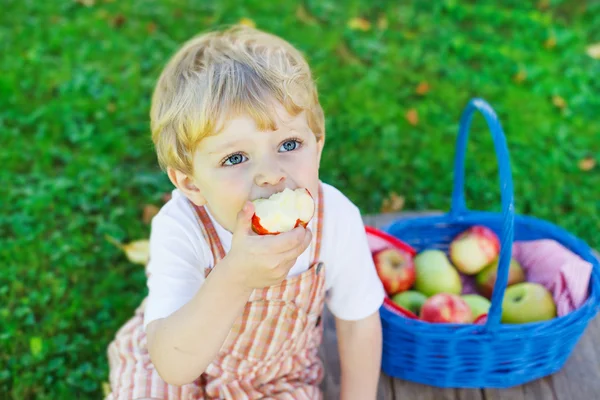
244 218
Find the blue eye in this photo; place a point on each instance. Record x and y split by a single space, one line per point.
295 143
237 158
234 158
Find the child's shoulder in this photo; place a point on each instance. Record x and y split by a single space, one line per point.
336 203
340 215
176 216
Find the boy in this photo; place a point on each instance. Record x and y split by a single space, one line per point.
230 314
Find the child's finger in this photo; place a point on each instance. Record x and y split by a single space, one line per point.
244 219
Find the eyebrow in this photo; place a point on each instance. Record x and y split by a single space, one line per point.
235 143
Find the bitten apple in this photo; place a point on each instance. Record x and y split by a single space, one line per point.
283 211
396 270
446 308
473 249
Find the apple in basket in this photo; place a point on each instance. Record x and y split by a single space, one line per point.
435 274
395 269
473 249
446 308
486 278
410 300
282 211
527 302
479 305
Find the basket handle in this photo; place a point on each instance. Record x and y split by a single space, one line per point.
459 207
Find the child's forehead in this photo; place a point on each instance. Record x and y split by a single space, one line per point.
235 128
245 122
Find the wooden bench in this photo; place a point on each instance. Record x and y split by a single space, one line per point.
579 379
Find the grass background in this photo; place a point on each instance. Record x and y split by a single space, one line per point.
78 164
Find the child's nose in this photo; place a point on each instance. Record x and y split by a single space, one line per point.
269 173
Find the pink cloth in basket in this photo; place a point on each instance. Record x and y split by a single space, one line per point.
561 271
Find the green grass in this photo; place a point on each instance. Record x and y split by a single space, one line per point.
78 164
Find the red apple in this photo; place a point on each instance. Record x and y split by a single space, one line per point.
283 211
473 249
446 308
395 269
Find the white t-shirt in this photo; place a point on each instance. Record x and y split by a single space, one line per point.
179 253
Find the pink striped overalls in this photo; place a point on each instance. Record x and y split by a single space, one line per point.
270 352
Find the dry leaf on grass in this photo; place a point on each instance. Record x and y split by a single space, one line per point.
247 22
150 210
422 88
382 22
151 27
106 389
558 101
304 16
359 24
520 76
412 117
550 43
119 21
393 203
346 55
138 251
587 164
593 51
87 3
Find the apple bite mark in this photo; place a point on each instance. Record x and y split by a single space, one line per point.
283 211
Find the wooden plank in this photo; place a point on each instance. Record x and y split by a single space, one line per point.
411 390
329 353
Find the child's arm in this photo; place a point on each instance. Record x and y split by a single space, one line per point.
359 344
183 344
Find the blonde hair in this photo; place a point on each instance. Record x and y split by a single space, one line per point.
222 74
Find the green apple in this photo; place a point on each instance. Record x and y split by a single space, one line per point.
410 300
486 279
479 305
527 302
435 274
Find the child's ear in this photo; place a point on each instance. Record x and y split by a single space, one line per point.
320 145
187 186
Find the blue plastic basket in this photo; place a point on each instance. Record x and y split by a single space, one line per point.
491 355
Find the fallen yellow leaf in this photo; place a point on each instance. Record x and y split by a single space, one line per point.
87 3
247 22
593 51
393 203
520 76
550 43
587 164
138 251
422 88
150 210
360 24
106 389
304 16
346 55
412 117
382 22
559 101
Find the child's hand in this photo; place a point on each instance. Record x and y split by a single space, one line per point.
264 260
